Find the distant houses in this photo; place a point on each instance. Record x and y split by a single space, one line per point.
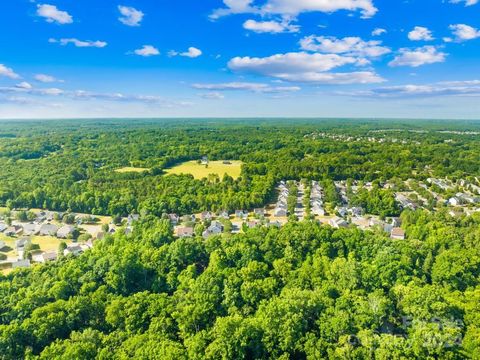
48 230
65 232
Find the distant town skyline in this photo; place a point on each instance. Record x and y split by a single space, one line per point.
240 58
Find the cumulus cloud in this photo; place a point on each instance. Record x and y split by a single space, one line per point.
272 26
352 46
45 78
462 32
130 16
467 2
8 72
420 33
289 8
246 86
147 50
53 15
378 32
192 52
305 67
79 43
418 57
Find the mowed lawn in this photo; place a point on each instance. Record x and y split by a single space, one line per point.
46 243
131 169
200 171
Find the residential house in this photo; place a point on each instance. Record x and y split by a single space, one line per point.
48 230
275 223
356 211
188 218
65 231
30 229
397 233
45 257
2 244
215 228
241 214
260 212
318 210
342 211
280 212
253 224
338 223
224 214
13 230
455 201
3 227
362 222
74 250
21 264
206 216
21 244
185 231
132 218
174 219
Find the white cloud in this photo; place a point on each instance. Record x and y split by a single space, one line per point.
418 57
130 16
147 50
79 43
420 33
378 32
352 46
45 78
272 27
53 15
463 32
213 95
8 72
467 2
289 8
86 95
24 85
246 86
295 62
452 88
304 67
192 52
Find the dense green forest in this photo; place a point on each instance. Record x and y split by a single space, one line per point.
302 291
60 166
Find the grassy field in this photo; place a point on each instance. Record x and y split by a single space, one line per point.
131 169
201 171
46 243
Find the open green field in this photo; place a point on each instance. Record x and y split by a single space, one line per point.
200 171
131 169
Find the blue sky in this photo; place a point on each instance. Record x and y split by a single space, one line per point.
240 58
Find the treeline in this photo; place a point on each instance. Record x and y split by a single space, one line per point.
64 167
